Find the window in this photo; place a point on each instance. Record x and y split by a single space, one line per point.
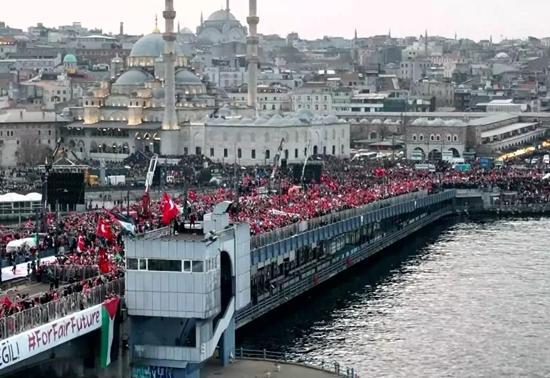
225 153
448 138
421 137
198 266
253 154
455 138
334 150
132 264
438 137
211 152
432 137
164 265
239 154
185 151
414 137
296 153
267 154
198 151
187 266
142 264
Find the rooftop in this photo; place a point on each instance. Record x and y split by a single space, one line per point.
506 129
24 116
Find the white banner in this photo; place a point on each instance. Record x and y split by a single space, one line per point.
38 340
21 269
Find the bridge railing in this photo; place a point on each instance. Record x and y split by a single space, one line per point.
331 367
259 241
34 317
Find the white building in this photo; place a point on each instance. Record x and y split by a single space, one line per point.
26 136
250 141
315 97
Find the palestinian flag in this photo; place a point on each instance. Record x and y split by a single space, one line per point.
108 314
127 223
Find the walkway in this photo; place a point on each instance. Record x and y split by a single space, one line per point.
262 369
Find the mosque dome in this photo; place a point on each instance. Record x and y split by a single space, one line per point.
150 45
186 31
185 77
502 56
70 58
221 15
134 77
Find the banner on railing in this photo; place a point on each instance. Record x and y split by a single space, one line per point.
41 339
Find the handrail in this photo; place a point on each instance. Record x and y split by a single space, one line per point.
262 240
33 317
265 355
284 294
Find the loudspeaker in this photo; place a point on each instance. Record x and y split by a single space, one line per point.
313 172
66 189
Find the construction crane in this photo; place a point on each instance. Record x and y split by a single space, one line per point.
146 199
277 159
305 163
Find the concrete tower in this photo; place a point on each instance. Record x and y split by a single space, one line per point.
170 121
253 41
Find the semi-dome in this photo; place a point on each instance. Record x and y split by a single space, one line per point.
70 58
187 77
150 45
134 77
186 31
221 15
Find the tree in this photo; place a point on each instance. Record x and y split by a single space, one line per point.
31 151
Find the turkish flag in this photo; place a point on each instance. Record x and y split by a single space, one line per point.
104 266
169 209
104 230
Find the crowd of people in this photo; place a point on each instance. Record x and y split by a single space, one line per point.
257 200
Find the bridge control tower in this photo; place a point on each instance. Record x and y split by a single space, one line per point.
183 289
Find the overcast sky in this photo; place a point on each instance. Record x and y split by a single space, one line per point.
476 19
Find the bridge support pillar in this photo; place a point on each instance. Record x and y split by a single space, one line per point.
227 344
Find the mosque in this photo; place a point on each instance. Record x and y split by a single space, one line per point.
221 27
155 103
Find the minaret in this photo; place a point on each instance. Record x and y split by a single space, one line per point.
426 43
253 41
227 6
202 19
170 121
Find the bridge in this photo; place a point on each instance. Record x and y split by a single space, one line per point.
203 287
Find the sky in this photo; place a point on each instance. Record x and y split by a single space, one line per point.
474 19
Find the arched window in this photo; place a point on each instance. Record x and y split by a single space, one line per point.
421 137
449 138
438 137
432 137
455 138
414 137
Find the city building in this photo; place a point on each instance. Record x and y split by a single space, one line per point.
27 137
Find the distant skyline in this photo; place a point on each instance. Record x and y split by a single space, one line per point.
310 18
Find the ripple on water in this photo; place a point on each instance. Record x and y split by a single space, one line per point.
476 302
